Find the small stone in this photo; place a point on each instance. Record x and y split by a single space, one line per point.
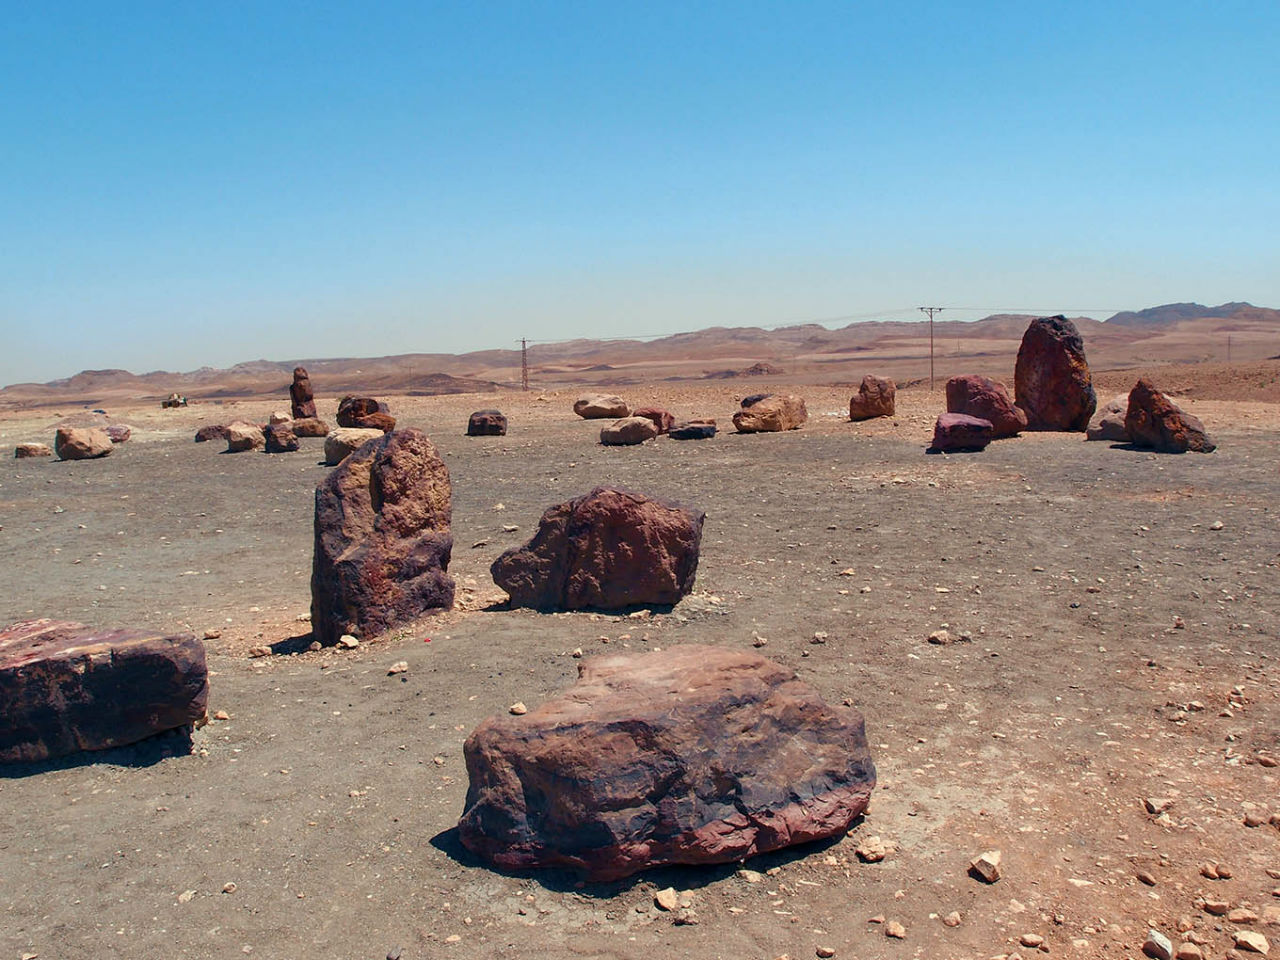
1252 942
212 634
895 930
400 666
1157 805
750 876
577 653
1254 819
518 709
221 715
1242 915
1145 877
1216 525
1216 907
952 919
259 651
1031 939
872 850
1157 946
186 896
940 638
667 899
348 642
986 866
1267 761
1189 951
825 951
229 888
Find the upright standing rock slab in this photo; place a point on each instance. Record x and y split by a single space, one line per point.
769 413
65 687
487 423
694 755
876 397
302 401
1052 382
1153 420
607 550
82 443
382 539
986 399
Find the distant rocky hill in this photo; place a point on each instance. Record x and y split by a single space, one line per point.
1174 312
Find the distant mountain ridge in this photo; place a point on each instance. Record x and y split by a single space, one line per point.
1174 312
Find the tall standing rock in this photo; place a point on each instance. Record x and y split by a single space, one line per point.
1051 379
1153 420
382 539
694 755
607 550
65 687
986 399
301 399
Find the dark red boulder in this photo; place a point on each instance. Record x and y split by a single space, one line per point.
302 401
661 418
119 433
365 413
65 687
279 438
1051 379
1153 420
693 755
310 427
212 431
382 539
487 423
607 550
986 399
959 431
876 397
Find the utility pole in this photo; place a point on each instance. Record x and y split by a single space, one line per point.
1228 348
524 365
931 311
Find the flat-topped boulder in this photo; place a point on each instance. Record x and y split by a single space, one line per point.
770 413
663 419
487 423
1153 420
341 443
600 406
82 443
628 431
959 432
876 397
693 755
608 550
66 687
693 430
986 399
242 437
25 451
1051 378
382 539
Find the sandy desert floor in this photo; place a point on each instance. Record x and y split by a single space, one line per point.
1124 615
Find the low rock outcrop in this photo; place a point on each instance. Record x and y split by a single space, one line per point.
1052 383
1155 421
955 432
66 687
606 550
628 431
769 413
694 755
82 443
876 397
341 443
487 423
986 399
598 406
382 539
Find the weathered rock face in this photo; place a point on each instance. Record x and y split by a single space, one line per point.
119 433
76 443
310 427
769 413
1052 382
487 423
26 450
302 401
1153 420
243 436
986 399
341 443
601 407
382 539
280 438
365 413
628 430
694 755
876 397
65 687
212 431
1108 422
959 431
607 550
278 416
693 430
662 419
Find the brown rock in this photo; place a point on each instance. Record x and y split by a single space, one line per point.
76 443
875 398
693 430
1051 377
243 436
302 401
694 755
277 416
119 433
986 866
986 399
365 413
382 539
1153 420
960 432
627 431
1107 422
310 427
65 687
769 413
606 550
661 418
487 423
25 450
213 431
601 407
341 443
280 438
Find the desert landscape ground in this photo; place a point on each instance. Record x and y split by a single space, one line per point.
1118 622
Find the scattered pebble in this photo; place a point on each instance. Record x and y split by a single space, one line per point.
1157 946
986 866
952 919
400 666
259 651
895 930
348 642
1252 942
518 709
667 899
229 887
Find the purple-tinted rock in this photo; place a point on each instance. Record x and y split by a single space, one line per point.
986 399
212 431
279 438
487 423
119 433
959 431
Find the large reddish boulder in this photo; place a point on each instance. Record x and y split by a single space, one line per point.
212 431
301 400
382 539
82 443
65 687
664 420
597 406
986 399
694 755
1051 378
279 438
768 413
628 431
487 423
955 432
606 550
1153 420
365 413
876 397
242 437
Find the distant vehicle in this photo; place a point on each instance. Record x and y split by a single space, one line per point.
174 400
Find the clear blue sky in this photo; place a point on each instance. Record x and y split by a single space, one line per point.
192 183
